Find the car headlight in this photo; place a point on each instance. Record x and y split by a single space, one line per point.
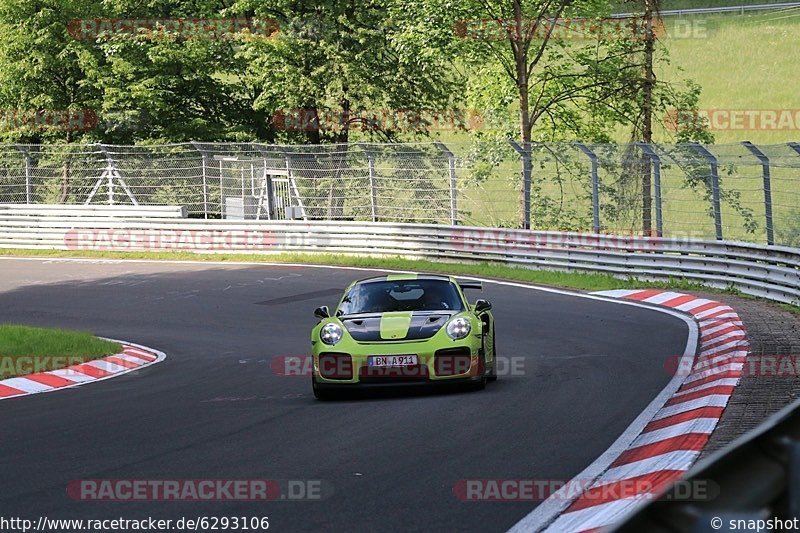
458 328
330 333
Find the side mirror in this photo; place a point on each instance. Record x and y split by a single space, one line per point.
482 305
322 312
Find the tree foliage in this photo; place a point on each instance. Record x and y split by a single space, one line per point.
330 71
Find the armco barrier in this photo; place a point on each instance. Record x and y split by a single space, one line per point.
766 271
95 210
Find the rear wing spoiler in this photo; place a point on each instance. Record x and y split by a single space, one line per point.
464 284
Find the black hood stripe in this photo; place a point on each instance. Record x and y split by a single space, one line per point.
423 326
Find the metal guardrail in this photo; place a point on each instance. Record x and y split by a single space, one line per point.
754 478
713 10
768 271
118 210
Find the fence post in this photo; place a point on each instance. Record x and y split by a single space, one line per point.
595 186
27 157
222 208
204 157
764 160
451 159
293 188
712 161
270 187
526 181
656 162
108 173
373 192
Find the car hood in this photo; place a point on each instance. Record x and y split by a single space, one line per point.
396 326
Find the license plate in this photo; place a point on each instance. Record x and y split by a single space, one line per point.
392 360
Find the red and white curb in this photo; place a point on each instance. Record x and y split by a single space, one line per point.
676 435
133 357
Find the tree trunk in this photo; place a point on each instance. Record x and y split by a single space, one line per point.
521 63
312 125
338 185
65 176
648 83
64 193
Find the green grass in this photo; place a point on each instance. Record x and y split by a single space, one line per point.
794 309
742 62
622 7
25 349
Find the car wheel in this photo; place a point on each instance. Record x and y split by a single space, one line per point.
493 374
321 394
481 383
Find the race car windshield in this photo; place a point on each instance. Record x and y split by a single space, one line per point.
410 295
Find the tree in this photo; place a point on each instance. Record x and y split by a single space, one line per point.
43 71
649 96
173 81
339 65
549 54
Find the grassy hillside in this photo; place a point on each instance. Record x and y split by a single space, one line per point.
742 62
687 4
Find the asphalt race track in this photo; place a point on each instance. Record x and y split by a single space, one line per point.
215 409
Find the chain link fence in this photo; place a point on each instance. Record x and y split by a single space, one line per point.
733 192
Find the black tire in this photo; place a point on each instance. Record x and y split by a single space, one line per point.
322 394
493 374
480 384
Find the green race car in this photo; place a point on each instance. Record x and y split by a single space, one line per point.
403 329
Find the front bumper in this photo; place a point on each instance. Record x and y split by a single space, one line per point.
336 368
